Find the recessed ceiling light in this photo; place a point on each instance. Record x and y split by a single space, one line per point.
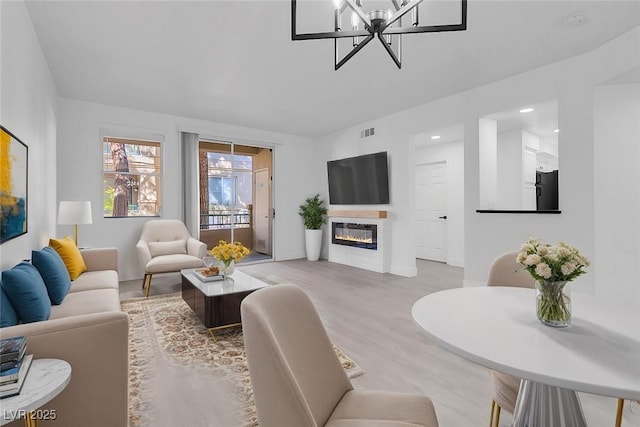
435 137
575 20
526 110
556 130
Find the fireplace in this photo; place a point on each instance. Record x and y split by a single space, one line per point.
363 236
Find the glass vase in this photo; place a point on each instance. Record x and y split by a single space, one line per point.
553 303
227 269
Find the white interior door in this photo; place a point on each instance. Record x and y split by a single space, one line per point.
262 212
431 211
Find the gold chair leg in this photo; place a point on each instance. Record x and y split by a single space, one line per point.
493 408
498 409
30 421
146 284
619 413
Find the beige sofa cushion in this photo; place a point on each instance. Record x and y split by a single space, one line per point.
92 280
87 302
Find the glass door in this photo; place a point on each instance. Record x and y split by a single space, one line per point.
228 192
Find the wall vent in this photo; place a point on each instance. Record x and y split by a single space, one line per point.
367 132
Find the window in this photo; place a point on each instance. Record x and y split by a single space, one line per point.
131 176
229 190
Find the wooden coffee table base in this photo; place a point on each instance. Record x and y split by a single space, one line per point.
215 312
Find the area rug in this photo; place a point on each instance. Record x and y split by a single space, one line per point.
178 373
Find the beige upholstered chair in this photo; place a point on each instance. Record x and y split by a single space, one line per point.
166 246
506 271
297 378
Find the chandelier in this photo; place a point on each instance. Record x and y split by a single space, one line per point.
364 25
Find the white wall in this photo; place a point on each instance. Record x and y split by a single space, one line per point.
79 161
28 109
510 173
570 81
488 172
388 137
453 154
617 191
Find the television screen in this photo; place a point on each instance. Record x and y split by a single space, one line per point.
362 180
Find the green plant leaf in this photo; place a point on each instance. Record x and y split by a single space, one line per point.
313 213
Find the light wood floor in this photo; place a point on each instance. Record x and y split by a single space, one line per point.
368 315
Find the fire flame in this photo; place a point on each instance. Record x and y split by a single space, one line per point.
352 238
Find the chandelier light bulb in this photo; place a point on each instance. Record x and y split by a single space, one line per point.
337 3
354 20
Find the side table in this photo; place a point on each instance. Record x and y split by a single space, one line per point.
45 380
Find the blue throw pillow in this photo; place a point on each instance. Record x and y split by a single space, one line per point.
54 273
27 292
8 315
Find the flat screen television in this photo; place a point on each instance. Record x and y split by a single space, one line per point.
361 180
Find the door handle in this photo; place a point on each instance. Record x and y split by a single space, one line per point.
443 217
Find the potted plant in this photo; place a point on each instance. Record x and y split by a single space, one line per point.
313 214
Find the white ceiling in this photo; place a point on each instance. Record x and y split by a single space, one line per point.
542 121
234 61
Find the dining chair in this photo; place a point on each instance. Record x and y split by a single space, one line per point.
506 271
165 246
297 378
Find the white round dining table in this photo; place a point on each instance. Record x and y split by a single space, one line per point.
497 327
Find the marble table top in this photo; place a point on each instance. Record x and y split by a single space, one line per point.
45 380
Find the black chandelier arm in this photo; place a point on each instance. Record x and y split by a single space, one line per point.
400 13
426 29
353 51
389 51
331 35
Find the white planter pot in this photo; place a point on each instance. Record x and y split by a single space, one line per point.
313 240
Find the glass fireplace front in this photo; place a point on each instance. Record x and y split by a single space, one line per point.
359 235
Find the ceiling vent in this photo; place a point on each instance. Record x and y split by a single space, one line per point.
367 132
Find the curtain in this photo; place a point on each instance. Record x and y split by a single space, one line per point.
190 183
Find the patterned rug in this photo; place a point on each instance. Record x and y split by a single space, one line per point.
177 372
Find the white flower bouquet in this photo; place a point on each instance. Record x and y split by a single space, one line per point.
552 266
553 263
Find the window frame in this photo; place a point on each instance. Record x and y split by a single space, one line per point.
133 137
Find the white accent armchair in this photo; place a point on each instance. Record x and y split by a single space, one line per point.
165 246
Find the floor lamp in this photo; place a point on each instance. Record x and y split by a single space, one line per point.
74 213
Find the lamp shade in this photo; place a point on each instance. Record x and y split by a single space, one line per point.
74 212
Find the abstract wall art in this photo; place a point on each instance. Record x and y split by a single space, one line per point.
13 186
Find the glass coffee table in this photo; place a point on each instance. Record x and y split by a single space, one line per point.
217 303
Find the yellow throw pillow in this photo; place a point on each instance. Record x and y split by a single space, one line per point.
70 254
